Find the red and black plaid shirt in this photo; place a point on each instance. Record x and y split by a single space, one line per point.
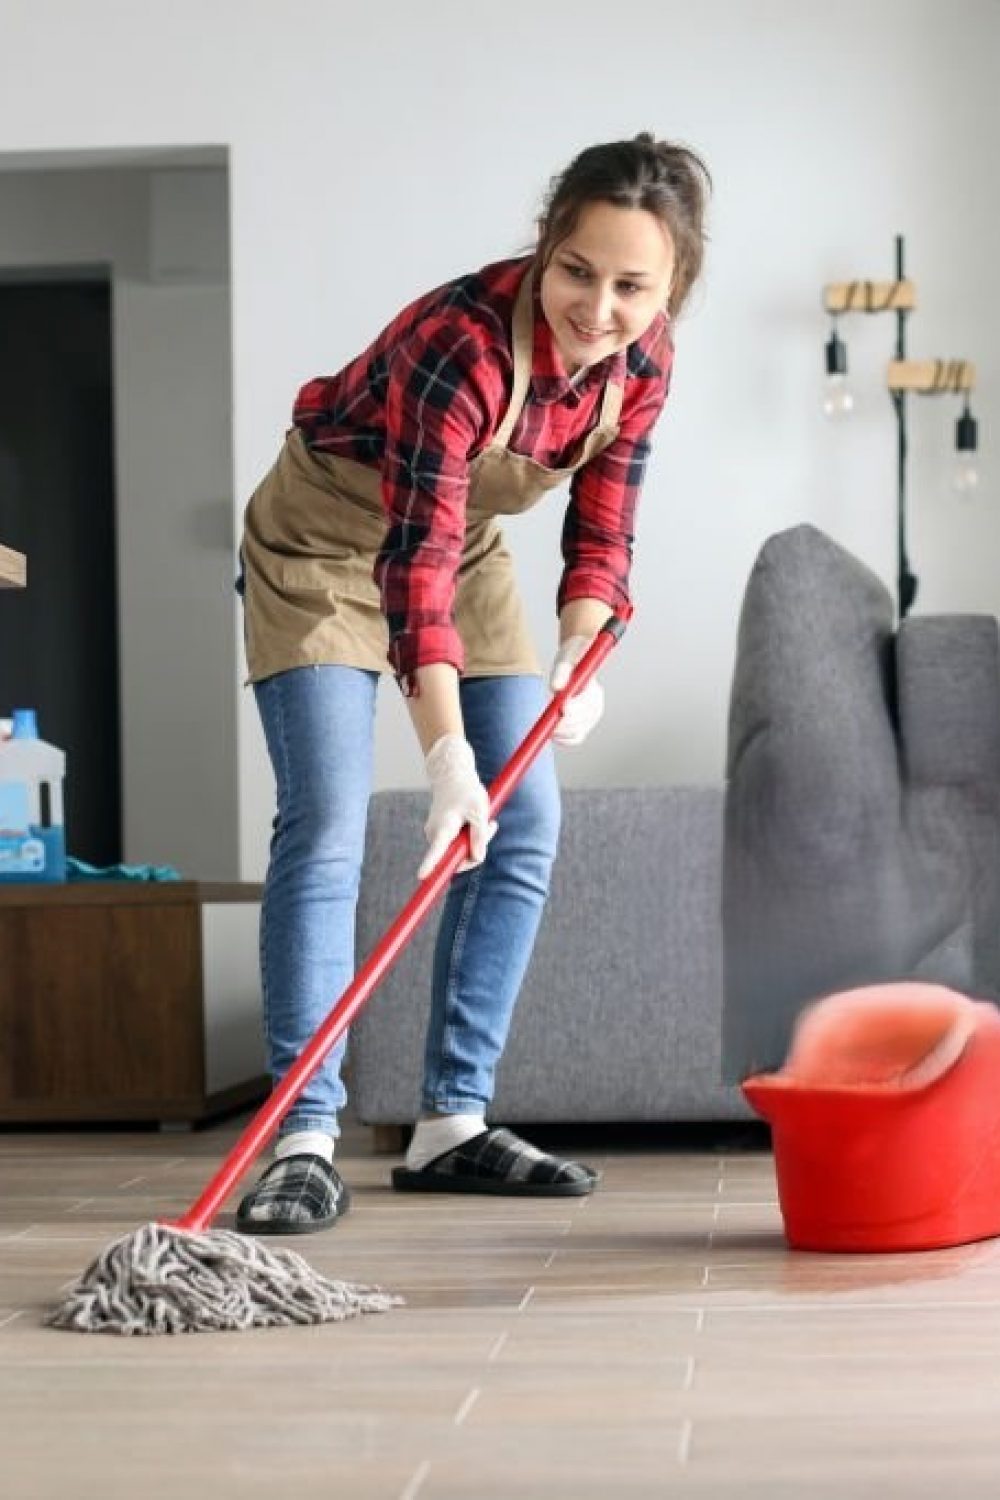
428 396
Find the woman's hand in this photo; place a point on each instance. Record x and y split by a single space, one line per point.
583 711
457 797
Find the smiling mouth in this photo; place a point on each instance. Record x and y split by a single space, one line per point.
590 335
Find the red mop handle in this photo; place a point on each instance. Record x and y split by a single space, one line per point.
257 1133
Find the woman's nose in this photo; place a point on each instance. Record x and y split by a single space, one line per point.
600 305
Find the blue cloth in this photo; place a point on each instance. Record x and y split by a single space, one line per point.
319 724
78 869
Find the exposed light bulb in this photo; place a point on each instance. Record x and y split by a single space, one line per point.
837 398
965 475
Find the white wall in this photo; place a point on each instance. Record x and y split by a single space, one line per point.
377 151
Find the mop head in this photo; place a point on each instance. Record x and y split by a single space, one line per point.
161 1279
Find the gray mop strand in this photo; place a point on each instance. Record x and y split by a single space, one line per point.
160 1279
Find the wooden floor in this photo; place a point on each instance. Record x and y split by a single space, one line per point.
655 1340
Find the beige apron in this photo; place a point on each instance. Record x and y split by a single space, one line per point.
315 524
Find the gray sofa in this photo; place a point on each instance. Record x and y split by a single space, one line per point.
620 1015
858 840
862 823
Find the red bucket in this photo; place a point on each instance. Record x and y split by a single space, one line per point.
886 1121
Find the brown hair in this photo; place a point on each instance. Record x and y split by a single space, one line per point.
670 181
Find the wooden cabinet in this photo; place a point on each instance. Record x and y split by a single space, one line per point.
123 1001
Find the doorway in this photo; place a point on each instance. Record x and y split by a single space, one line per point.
59 636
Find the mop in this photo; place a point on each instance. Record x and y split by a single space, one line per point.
181 1276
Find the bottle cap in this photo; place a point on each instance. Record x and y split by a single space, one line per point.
25 724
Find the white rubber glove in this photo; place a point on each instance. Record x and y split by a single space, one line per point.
584 710
457 797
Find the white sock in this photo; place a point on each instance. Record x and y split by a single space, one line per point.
304 1143
440 1133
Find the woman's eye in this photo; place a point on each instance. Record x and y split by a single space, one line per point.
578 273
629 288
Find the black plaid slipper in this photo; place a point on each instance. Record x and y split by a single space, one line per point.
498 1161
296 1195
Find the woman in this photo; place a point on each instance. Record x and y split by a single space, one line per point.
373 546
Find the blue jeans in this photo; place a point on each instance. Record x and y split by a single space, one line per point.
319 725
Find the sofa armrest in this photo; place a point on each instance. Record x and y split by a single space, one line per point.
948 696
814 644
812 764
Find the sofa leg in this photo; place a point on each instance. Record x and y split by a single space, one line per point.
389 1140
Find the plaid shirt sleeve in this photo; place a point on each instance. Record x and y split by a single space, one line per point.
598 530
438 411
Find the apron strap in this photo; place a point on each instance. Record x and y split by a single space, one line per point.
522 338
611 407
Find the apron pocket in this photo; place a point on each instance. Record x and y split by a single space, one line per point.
298 575
341 577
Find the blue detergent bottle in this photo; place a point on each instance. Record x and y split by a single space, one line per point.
32 836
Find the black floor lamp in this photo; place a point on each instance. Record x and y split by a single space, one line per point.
904 377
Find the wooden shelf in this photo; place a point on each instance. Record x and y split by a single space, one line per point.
126 893
869 296
931 376
13 569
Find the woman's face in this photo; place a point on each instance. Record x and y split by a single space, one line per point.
606 282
